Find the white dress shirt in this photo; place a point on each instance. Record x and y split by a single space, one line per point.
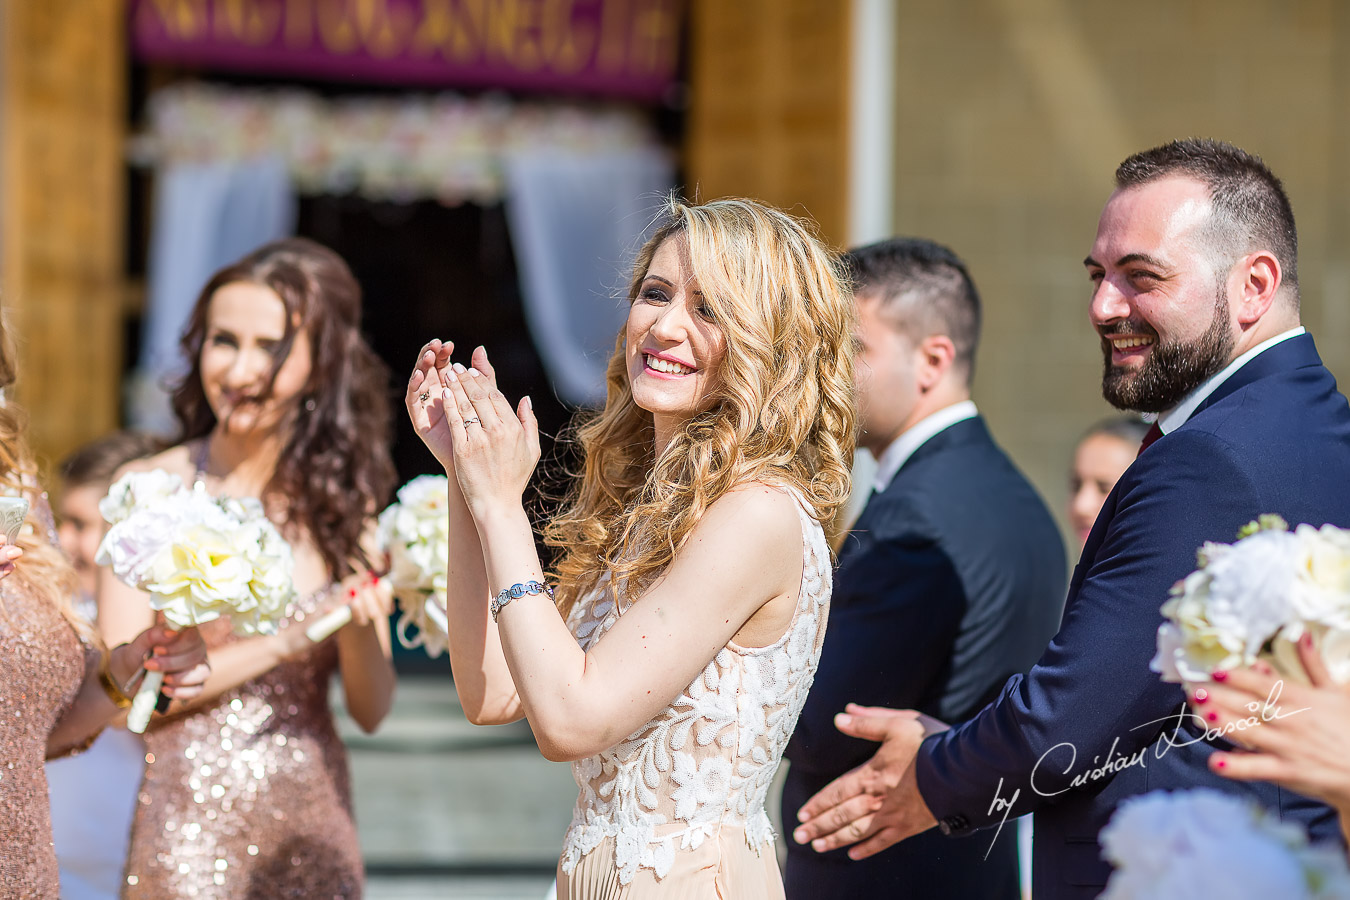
1175 417
898 452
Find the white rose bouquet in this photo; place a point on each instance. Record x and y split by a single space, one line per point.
1255 598
1166 845
415 533
199 557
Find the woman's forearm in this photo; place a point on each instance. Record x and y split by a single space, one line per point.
546 662
368 677
483 680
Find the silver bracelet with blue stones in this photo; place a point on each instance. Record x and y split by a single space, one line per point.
515 592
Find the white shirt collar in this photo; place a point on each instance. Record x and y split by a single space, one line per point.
1175 417
898 452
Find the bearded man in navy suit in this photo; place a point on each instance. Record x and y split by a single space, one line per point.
1195 297
951 581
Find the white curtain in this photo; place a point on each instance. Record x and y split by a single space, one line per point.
206 215
576 222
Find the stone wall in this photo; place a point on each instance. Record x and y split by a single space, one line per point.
1012 115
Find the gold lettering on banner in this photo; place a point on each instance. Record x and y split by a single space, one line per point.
456 31
299 24
522 35
336 29
500 22
183 20
528 35
568 45
384 31
655 35
634 37
613 52
252 22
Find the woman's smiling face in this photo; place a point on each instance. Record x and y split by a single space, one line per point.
673 347
245 324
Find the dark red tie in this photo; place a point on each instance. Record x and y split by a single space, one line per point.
1153 433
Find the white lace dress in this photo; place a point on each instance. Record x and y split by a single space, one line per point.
677 809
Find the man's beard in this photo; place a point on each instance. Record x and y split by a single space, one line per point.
1172 370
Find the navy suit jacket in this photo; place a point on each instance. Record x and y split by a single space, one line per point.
1090 724
951 581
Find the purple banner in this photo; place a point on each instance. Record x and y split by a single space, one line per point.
623 48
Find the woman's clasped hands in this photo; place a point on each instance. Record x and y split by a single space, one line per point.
471 428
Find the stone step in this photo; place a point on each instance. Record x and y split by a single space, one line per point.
444 804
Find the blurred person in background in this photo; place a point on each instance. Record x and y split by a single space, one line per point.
1103 454
58 683
247 791
950 582
93 794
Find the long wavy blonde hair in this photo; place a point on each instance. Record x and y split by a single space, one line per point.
782 411
43 571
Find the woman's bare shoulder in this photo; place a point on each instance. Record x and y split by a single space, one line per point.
754 516
176 460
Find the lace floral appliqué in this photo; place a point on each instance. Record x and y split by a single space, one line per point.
707 760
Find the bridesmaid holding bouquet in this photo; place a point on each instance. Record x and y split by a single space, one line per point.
246 790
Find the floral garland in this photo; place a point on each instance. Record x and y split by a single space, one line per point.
397 148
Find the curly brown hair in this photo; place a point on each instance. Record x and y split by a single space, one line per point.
335 470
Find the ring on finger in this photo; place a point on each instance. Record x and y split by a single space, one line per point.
472 420
424 396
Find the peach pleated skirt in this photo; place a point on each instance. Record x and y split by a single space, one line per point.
722 868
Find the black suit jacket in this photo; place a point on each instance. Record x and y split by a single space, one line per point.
1090 724
951 581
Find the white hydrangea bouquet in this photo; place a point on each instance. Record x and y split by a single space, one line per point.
1184 844
1255 598
415 533
199 557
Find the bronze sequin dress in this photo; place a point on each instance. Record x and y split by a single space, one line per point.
41 667
249 798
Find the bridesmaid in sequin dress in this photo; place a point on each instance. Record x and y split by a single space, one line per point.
694 578
246 791
57 687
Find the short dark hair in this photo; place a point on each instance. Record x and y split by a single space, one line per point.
97 462
1127 429
1251 211
924 289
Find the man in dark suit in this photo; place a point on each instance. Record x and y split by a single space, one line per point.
951 581
1195 296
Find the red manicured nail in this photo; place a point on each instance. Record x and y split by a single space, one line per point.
351 592
1219 676
1306 640
1201 695
1212 716
1220 763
